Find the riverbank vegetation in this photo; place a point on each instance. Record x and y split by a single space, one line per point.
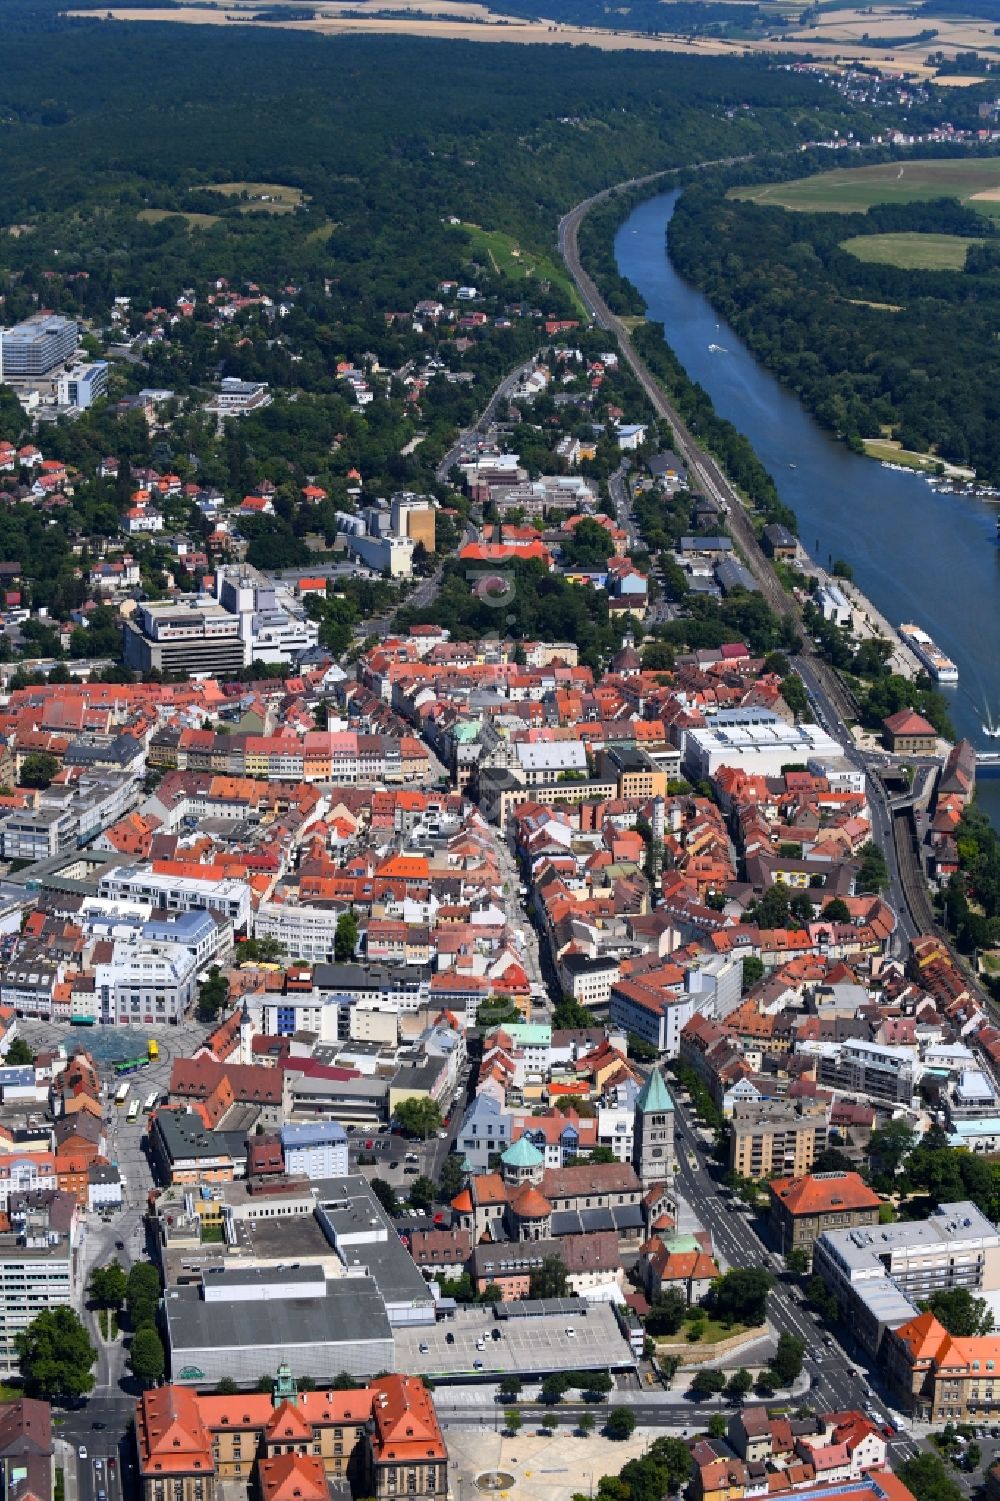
925 370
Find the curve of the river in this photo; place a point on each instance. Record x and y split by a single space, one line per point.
919 555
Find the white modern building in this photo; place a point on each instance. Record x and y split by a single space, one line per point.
248 619
37 345
757 749
228 897
146 983
315 1150
880 1274
82 385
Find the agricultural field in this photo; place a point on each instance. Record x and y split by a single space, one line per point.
911 252
974 180
261 197
194 221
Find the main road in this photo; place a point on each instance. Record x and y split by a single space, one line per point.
837 1382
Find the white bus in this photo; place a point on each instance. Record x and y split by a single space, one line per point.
121 1094
150 1103
133 1112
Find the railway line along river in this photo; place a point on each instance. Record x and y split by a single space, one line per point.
917 554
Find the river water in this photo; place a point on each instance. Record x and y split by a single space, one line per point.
919 556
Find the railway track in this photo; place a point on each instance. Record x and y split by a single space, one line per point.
701 465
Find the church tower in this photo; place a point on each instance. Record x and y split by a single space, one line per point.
653 1132
246 1034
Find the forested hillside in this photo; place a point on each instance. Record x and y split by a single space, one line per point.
871 349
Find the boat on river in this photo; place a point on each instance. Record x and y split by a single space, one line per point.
940 667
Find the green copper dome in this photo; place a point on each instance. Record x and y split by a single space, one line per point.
522 1153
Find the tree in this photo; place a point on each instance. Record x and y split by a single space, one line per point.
510 1386
345 939
674 1463
888 1146
741 1296
972 1458
213 994
926 1476
822 1299
549 1280
738 1385
552 1389
836 910
717 1425
960 1313
142 1293
795 696
37 769
226 1387
641 1051
146 1357
873 874
588 546
797 1261
265 1385
621 1424
586 1423
108 1285
832 1160
418 1116
451 1178
570 1016
596 1384
786 1363
19 1055
386 1195
668 1312
55 1355
260 950
753 970
708 1383
422 1193
512 1420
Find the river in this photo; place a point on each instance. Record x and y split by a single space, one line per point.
920 556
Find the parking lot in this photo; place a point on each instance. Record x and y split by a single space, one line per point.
464 1344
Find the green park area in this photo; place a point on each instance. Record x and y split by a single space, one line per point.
505 255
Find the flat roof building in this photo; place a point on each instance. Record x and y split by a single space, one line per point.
879 1274
252 1320
36 345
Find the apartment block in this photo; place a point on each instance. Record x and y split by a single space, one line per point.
869 1068
37 1264
770 1136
